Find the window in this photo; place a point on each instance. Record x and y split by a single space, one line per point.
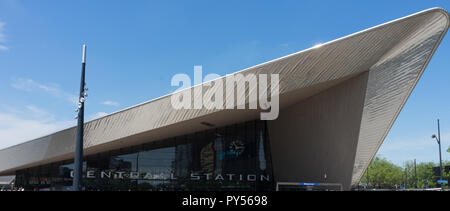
234 157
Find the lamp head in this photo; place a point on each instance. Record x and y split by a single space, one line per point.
433 136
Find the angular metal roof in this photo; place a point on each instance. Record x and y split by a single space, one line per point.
392 79
395 54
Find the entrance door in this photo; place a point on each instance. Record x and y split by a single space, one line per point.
303 186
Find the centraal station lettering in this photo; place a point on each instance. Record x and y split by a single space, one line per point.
171 176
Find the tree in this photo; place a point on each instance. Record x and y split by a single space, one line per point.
383 174
425 177
386 175
409 172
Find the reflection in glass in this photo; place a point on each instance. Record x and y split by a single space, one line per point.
234 157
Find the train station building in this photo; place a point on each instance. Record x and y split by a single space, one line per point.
337 103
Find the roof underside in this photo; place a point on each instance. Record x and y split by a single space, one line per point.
395 54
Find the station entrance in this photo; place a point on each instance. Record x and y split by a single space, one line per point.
308 186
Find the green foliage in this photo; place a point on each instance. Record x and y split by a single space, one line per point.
384 174
425 177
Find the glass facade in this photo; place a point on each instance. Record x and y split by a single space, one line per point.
236 157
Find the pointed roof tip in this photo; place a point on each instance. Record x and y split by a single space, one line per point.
442 11
439 9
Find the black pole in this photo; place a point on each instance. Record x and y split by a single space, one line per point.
406 177
78 163
367 175
440 155
415 174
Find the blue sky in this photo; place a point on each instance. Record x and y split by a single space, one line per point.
135 47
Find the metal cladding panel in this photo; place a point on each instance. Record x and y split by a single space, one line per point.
395 53
391 81
331 120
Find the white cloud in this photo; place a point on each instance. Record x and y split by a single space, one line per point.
96 116
420 147
37 111
29 85
53 89
407 145
28 124
2 36
110 103
3 47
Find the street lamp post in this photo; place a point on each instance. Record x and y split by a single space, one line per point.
406 177
78 161
438 139
415 174
367 174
